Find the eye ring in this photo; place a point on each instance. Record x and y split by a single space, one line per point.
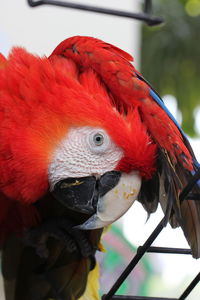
98 139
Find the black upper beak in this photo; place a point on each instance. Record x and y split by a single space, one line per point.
82 194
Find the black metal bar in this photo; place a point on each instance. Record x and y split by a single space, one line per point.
192 196
150 20
119 297
142 249
148 6
168 250
140 252
190 287
189 186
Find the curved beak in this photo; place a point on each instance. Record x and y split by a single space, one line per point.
106 199
82 194
115 202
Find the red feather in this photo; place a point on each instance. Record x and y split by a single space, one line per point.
129 91
114 68
40 99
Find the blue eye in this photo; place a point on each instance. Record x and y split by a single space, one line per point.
98 139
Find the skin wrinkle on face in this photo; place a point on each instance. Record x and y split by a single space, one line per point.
77 156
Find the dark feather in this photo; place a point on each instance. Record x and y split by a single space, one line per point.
63 275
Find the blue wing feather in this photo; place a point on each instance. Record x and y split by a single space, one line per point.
160 102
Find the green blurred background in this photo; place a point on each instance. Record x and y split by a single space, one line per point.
171 55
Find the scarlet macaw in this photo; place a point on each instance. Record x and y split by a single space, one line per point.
82 134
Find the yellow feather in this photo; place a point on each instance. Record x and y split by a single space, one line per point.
92 290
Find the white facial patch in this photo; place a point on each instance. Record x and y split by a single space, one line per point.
85 151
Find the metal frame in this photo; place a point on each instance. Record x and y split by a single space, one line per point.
146 16
141 250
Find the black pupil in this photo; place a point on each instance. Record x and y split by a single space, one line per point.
98 138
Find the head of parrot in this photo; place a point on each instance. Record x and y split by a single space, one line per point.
62 132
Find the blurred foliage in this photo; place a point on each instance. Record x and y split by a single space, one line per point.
119 253
171 55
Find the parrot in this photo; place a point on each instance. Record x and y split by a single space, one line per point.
83 135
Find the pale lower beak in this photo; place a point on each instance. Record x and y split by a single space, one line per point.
115 202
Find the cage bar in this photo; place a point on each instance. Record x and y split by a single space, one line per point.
145 16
